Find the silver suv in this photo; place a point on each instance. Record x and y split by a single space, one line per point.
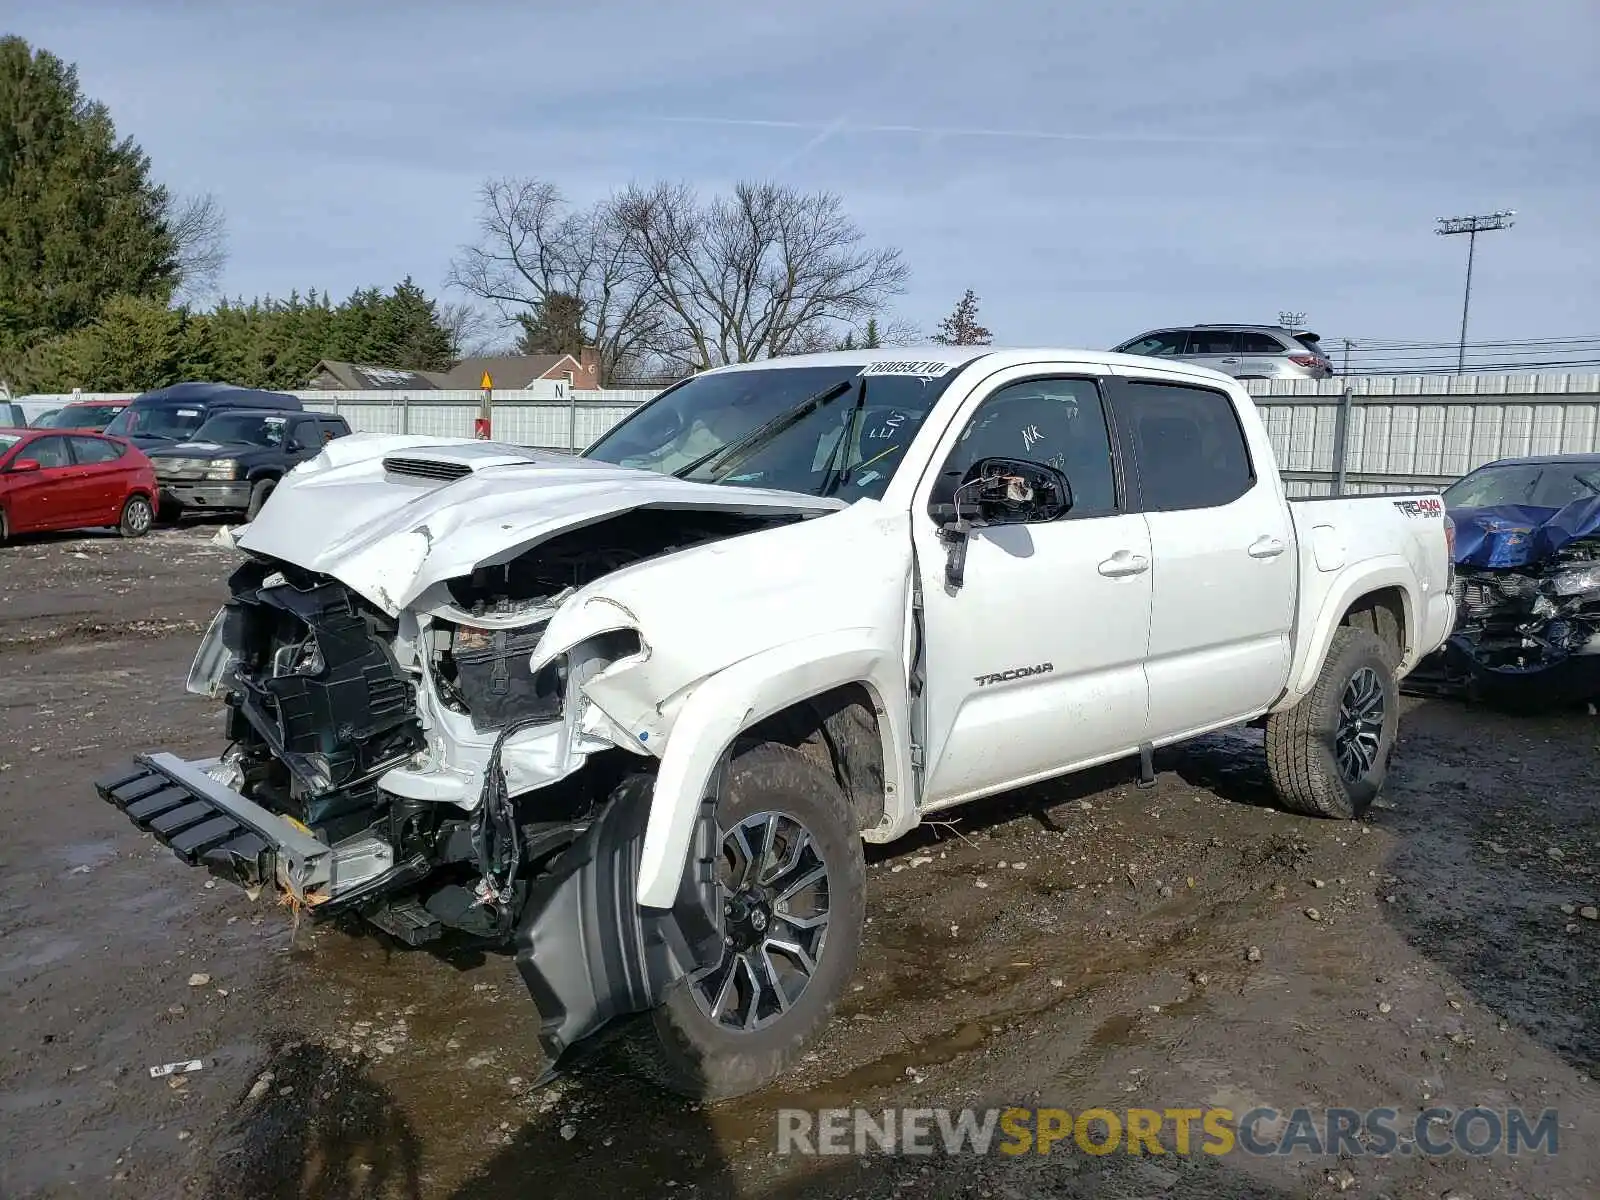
1243 351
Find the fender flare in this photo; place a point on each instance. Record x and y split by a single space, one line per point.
748 691
1347 587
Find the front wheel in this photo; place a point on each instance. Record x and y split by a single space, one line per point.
1329 754
792 881
258 497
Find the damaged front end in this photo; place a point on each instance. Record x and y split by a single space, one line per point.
412 765
1527 589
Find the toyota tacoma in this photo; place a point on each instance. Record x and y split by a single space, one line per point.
632 714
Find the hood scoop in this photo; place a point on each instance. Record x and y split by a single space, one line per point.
426 468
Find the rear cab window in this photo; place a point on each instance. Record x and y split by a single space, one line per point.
1188 445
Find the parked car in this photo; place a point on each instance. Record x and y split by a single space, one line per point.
12 416
1243 351
54 481
1527 583
174 414
237 457
633 713
42 421
93 415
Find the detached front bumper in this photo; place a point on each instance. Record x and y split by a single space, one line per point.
206 495
1452 670
206 823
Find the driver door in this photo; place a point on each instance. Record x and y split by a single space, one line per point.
1035 665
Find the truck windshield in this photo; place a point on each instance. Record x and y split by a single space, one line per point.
847 445
251 429
1542 485
156 421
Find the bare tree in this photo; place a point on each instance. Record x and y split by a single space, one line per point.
471 330
668 282
532 245
199 231
765 271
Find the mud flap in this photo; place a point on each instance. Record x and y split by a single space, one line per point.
586 948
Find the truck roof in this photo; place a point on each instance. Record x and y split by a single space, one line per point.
953 357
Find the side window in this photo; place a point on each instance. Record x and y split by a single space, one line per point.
1259 343
49 452
1058 422
1212 341
93 450
1189 446
1166 344
333 429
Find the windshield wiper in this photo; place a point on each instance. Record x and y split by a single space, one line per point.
834 478
763 433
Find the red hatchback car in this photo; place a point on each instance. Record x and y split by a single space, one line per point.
51 481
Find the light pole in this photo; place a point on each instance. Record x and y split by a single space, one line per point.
1292 321
1472 227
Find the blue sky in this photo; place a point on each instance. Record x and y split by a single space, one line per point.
1092 169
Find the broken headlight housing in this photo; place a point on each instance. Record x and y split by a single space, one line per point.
213 662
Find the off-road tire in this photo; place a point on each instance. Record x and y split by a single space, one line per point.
1302 760
137 517
5 530
692 1055
258 497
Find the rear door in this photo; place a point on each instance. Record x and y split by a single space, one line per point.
1221 542
1260 354
1214 348
107 476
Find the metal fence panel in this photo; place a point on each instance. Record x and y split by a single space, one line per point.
1405 432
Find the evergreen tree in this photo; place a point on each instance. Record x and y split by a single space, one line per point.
872 340
552 326
80 219
961 327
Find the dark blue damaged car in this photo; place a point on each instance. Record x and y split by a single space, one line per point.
1527 585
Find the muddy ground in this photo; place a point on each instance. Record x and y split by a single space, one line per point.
1082 944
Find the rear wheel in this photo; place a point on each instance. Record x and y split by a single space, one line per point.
1329 755
793 890
258 497
5 530
137 517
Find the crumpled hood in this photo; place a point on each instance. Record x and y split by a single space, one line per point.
1520 535
392 535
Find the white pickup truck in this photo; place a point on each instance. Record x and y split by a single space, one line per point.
634 713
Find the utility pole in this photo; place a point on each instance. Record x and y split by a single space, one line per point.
1348 346
1292 321
1472 227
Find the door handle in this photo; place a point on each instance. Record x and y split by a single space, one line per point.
1124 563
1266 546
1228 360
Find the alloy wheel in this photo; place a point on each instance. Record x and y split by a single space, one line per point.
1360 731
774 891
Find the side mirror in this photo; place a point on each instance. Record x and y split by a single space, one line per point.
25 464
999 491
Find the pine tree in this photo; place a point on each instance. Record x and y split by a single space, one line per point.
553 326
81 220
873 340
961 327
